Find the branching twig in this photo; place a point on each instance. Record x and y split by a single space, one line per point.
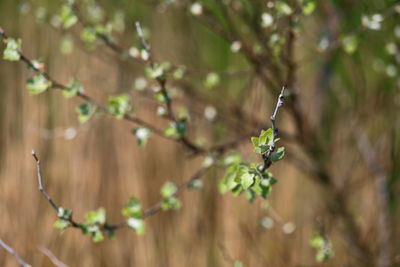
12 251
57 85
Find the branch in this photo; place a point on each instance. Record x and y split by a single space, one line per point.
46 196
147 213
267 156
12 251
157 207
381 187
53 258
57 85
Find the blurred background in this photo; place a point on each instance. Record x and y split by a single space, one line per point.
339 180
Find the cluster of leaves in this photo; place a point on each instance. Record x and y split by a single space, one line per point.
263 143
133 210
95 222
322 246
248 177
169 201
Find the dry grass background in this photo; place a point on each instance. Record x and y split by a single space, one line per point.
102 166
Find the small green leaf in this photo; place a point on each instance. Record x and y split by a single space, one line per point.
161 97
212 80
137 225
265 137
88 35
64 213
155 72
96 217
278 155
142 135
247 180
68 16
176 129
73 88
309 7
13 49
119 105
168 190
37 84
97 236
350 43
85 111
283 8
196 184
171 203
61 224
238 263
133 208
231 159
250 195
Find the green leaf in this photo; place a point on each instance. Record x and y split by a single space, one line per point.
88 35
309 6
265 137
73 88
13 49
212 80
97 235
155 72
171 203
176 129
85 111
61 224
142 135
322 246
247 180
283 8
231 159
196 184
250 195
137 225
64 213
255 142
37 84
278 155
168 190
161 97
67 16
96 217
133 208
119 105
350 43
238 263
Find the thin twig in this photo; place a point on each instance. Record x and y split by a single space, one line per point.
47 196
267 156
53 258
12 251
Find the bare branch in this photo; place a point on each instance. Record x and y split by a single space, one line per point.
12 251
53 258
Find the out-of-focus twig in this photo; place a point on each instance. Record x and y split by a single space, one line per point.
12 252
53 258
